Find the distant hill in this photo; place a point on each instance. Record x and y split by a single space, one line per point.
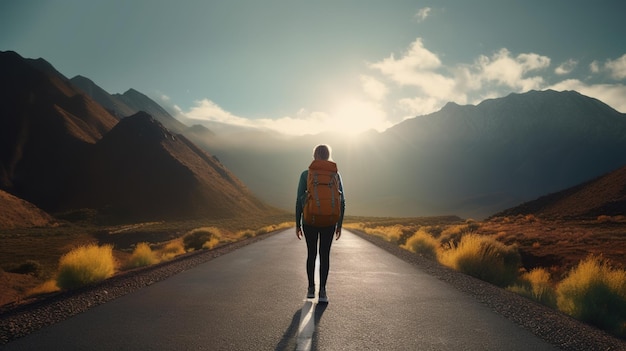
114 105
62 151
17 213
605 195
142 170
127 104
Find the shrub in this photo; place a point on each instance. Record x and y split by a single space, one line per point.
595 293
536 285
422 243
454 233
198 238
484 258
142 256
85 265
171 250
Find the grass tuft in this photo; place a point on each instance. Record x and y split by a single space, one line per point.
142 256
85 265
454 233
484 258
201 238
537 286
422 243
171 250
595 293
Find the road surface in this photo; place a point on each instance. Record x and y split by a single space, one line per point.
254 299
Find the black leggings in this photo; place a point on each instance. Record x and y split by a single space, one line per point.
325 235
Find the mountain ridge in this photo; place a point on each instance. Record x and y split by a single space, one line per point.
128 103
467 160
63 151
601 196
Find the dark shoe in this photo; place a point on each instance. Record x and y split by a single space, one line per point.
310 293
322 297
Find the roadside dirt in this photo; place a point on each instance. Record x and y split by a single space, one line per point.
14 286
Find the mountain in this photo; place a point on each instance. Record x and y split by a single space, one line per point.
111 103
471 161
62 151
129 103
481 159
46 126
142 170
605 195
17 213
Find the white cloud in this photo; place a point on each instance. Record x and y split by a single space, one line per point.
594 67
350 116
503 69
418 68
403 70
418 106
437 84
617 68
566 67
422 14
417 83
209 111
374 88
610 94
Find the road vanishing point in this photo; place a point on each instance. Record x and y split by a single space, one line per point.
254 299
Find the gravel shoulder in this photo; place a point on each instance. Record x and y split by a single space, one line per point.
553 326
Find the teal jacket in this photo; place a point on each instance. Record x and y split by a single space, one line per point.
301 196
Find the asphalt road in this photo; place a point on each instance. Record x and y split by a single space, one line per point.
254 299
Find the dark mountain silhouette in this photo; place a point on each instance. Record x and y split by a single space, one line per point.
605 195
62 151
46 126
141 170
479 159
129 103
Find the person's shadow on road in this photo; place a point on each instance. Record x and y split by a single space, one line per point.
298 326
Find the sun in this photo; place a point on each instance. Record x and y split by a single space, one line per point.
353 116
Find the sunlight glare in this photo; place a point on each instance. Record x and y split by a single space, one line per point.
354 116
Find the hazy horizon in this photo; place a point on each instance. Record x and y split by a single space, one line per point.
304 68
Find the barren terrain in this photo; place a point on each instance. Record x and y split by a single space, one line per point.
559 245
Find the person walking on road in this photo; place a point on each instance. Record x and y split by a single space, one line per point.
320 206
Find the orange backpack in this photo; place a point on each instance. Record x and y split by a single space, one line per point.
322 206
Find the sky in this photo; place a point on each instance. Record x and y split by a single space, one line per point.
345 66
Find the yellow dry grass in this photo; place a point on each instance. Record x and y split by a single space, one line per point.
85 265
595 292
142 256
